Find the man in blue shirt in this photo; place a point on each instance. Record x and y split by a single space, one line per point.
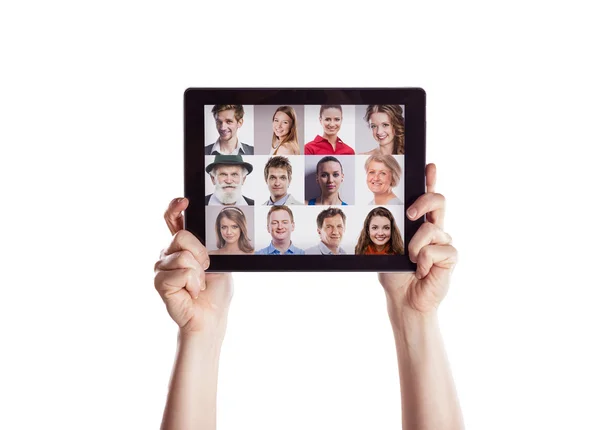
280 224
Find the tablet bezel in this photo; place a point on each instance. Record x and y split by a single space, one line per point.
194 186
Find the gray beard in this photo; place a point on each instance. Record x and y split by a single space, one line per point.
228 197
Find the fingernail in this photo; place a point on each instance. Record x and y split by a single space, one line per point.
179 200
412 212
206 264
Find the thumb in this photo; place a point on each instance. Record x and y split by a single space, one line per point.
173 214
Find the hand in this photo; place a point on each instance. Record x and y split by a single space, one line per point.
431 250
197 301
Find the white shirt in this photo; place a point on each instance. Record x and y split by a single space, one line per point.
215 201
217 147
322 249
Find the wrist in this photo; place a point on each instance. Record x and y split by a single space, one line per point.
206 334
403 315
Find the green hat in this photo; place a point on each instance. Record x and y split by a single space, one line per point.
229 160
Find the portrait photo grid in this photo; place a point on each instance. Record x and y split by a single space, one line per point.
308 158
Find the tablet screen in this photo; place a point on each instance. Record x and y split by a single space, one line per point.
304 179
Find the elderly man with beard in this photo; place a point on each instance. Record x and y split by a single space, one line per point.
228 174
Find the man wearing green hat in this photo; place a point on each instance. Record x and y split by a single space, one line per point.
228 174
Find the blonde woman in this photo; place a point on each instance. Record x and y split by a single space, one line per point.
383 174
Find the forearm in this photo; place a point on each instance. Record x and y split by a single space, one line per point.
192 399
429 399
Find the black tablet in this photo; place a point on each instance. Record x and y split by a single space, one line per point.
304 179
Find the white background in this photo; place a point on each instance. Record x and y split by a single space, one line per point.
91 134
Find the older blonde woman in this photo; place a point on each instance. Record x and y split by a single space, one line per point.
383 174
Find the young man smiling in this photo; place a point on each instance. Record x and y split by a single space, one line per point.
280 225
228 120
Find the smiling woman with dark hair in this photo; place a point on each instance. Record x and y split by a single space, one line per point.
330 117
380 234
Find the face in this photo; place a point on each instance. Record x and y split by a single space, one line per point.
331 120
228 183
332 231
230 230
227 125
282 124
330 177
280 225
379 177
278 182
381 127
380 230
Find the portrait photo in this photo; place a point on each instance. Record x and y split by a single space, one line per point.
325 122
229 230
379 128
380 230
281 179
279 129
333 183
379 179
229 129
230 180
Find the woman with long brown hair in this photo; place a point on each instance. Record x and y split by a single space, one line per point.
387 125
232 232
380 234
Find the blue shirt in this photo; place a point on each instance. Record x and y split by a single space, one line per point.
313 202
271 250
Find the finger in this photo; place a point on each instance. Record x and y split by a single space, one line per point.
430 178
173 214
431 204
427 234
178 260
442 256
170 282
186 241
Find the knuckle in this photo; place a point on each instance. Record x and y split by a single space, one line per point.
429 228
159 279
181 237
185 259
424 255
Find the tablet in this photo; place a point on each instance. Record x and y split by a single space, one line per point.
304 179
